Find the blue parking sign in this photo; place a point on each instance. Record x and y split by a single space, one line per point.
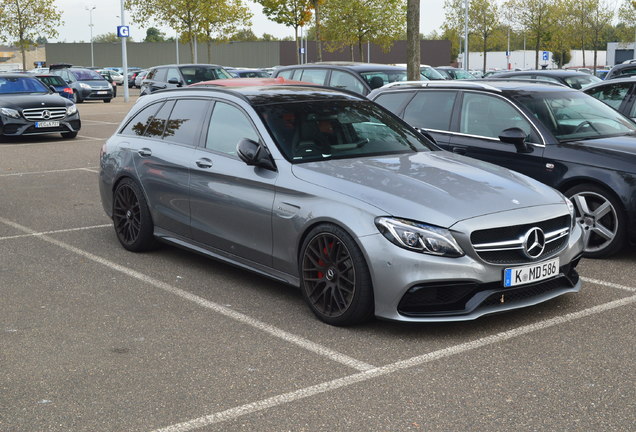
545 56
123 31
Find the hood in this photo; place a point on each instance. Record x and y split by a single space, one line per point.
40 100
96 83
616 153
438 188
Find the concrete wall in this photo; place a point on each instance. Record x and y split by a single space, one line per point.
241 54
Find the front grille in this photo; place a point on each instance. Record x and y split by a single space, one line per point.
505 245
43 114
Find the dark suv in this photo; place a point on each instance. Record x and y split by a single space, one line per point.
556 134
360 78
173 76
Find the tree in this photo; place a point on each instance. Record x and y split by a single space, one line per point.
627 16
191 18
108 38
223 18
23 21
41 40
534 17
316 4
244 35
290 13
413 40
355 22
598 18
153 34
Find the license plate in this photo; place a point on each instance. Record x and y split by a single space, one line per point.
45 124
102 92
531 273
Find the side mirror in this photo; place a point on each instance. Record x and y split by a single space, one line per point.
174 81
517 137
254 154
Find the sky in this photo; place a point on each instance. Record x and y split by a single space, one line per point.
106 18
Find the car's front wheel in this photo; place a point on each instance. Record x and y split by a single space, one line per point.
69 135
334 277
601 217
131 217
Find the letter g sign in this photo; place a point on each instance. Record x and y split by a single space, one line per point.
123 31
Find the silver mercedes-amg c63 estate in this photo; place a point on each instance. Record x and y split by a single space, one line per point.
327 191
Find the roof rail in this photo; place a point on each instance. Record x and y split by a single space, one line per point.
532 80
445 83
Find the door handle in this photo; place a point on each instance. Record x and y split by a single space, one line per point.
459 150
144 152
204 163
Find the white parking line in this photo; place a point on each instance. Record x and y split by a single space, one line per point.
92 138
285 398
38 234
99 122
608 284
48 172
74 140
227 312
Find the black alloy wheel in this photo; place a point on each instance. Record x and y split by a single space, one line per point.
131 217
335 278
601 217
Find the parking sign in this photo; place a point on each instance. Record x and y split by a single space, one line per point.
545 56
123 31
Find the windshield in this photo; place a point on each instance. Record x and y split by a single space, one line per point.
580 82
321 130
9 85
380 78
86 75
431 73
195 74
572 115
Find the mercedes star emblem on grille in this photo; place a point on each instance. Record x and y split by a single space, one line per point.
534 243
46 114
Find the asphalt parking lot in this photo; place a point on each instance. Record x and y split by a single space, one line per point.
95 338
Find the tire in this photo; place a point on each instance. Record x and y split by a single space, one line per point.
106 100
334 277
76 98
600 214
131 217
69 135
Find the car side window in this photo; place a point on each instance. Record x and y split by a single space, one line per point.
151 74
487 116
613 95
628 71
431 110
228 126
137 125
173 73
160 75
186 119
394 102
287 74
158 122
345 80
315 76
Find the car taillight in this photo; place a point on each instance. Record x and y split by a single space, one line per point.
68 90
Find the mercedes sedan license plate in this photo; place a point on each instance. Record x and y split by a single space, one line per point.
531 273
45 124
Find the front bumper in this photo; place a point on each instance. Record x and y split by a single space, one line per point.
17 127
410 286
96 94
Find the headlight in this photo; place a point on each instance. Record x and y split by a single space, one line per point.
8 112
571 209
71 110
419 237
84 86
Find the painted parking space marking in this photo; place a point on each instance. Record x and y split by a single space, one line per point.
99 122
67 230
222 310
48 172
608 284
285 398
44 143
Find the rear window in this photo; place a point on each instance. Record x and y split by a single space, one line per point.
53 80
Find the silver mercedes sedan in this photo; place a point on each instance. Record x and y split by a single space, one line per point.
327 191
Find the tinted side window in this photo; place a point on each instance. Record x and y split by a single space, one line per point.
173 73
485 115
628 71
315 76
394 102
287 74
431 110
160 75
612 95
184 125
137 125
228 126
158 122
151 74
345 80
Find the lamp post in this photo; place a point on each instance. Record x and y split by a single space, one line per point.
90 25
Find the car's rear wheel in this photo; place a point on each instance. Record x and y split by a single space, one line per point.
334 277
131 217
601 217
76 98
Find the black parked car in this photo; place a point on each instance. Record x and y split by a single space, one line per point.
622 70
619 93
87 84
28 107
555 134
571 78
173 76
360 78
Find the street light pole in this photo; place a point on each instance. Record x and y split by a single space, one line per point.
90 25
124 54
